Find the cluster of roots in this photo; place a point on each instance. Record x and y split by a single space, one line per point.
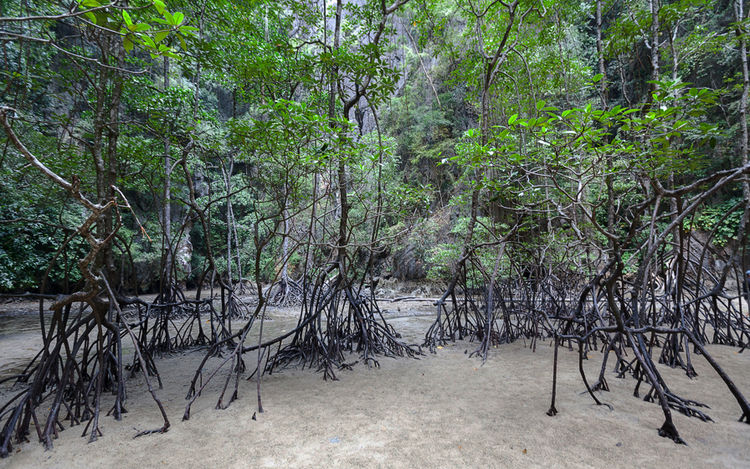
336 322
666 316
285 293
81 371
662 315
339 325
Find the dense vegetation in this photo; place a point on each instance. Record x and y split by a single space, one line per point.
566 170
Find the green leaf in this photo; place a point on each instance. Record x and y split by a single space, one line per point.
178 18
188 30
127 18
158 37
539 105
470 133
512 119
149 42
127 44
160 7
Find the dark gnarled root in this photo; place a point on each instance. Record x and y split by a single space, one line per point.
668 430
688 407
600 385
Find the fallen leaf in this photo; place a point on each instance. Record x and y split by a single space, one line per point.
524 451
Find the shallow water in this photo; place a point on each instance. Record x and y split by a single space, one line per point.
20 337
15 322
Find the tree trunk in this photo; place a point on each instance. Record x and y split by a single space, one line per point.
739 17
166 283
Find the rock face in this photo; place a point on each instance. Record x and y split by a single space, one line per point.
411 261
147 272
408 263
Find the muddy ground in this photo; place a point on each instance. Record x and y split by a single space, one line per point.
443 410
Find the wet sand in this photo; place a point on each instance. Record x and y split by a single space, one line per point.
443 410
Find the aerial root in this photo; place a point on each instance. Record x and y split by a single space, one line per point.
668 430
163 429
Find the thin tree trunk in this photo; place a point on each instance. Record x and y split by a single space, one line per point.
228 188
113 131
341 172
653 6
603 91
285 251
421 63
740 16
167 211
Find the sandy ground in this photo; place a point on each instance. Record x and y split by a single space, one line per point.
444 410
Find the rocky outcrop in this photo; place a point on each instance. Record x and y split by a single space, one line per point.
409 264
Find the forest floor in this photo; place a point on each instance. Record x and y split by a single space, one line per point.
443 410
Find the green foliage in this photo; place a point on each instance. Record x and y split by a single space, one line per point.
250 84
32 229
723 219
442 257
148 25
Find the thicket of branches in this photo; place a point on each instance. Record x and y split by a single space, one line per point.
237 148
